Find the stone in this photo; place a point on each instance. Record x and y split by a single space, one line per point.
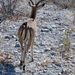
17 45
48 50
73 45
53 53
73 34
7 37
45 30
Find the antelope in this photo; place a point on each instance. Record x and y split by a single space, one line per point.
27 32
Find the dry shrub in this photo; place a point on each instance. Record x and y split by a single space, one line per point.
3 57
44 63
7 8
65 3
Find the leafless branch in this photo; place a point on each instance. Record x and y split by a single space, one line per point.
7 7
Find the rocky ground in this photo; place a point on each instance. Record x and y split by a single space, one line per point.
50 57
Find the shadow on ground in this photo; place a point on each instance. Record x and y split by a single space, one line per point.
7 68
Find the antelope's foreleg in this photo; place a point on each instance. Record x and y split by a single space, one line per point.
32 58
26 47
21 61
27 44
21 43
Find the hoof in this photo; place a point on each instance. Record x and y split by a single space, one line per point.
21 63
23 68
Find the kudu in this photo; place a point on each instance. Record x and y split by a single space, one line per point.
27 31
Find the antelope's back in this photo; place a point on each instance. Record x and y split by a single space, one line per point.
25 32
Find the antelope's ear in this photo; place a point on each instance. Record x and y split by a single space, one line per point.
41 5
30 3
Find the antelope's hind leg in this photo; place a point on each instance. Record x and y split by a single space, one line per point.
24 58
32 57
21 43
26 47
32 43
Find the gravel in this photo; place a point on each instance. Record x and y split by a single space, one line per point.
49 59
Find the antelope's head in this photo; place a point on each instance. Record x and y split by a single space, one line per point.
35 6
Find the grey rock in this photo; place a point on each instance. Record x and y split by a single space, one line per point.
7 37
46 50
17 45
73 45
46 29
73 34
12 36
51 20
53 53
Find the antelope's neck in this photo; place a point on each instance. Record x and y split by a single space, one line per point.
33 13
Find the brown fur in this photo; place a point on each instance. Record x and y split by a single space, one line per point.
26 34
33 13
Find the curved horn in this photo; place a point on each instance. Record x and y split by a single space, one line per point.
31 1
